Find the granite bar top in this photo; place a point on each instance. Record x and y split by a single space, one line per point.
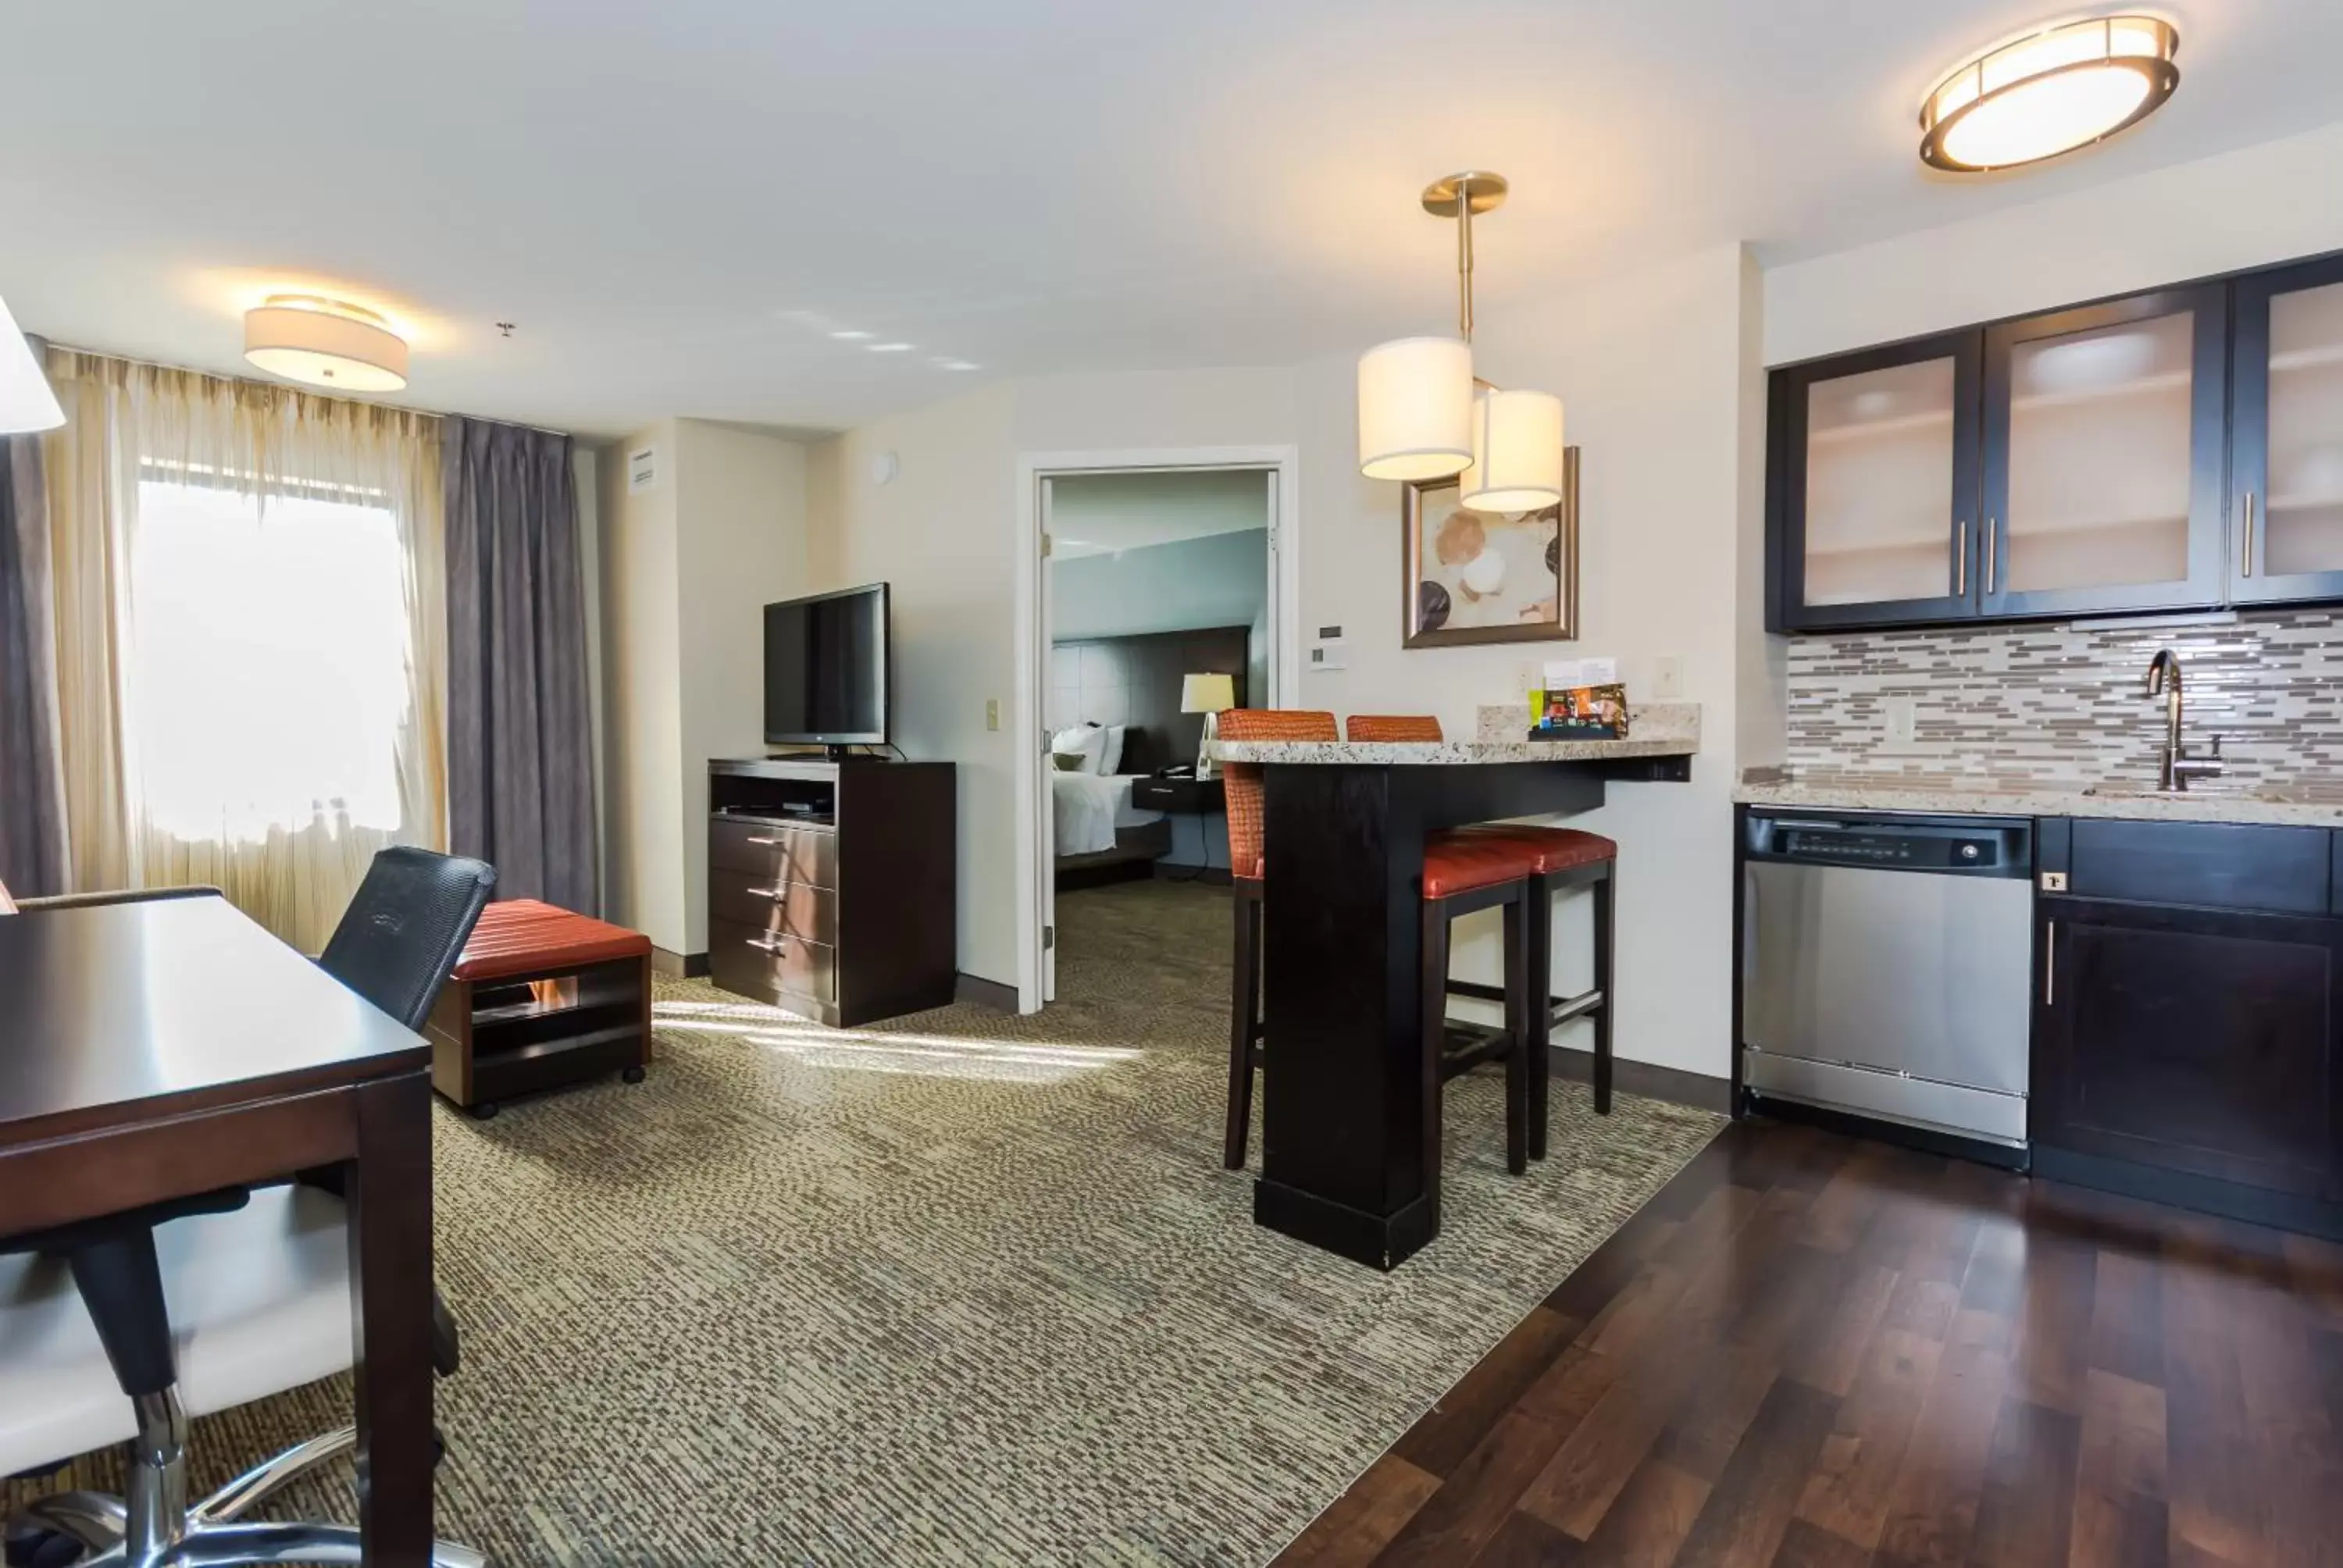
1847 792
1659 730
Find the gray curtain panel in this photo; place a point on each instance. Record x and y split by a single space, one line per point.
520 778
32 790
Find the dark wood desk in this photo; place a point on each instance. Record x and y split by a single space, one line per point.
153 1050
1350 1096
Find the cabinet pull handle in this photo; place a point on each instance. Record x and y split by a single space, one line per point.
2050 966
768 841
1992 564
773 945
1961 558
2249 533
777 893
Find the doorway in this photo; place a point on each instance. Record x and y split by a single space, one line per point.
1143 569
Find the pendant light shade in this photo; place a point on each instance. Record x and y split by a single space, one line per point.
1416 408
26 403
1516 452
325 343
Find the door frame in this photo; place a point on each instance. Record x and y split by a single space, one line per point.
1035 829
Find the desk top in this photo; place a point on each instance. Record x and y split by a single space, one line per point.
126 1012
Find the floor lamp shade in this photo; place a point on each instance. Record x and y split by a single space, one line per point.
1516 452
1416 408
26 403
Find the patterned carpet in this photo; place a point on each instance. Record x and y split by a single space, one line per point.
964 1289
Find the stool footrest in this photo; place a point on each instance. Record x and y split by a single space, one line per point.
1567 1007
1466 1046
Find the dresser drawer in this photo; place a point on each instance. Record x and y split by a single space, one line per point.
775 851
793 908
765 964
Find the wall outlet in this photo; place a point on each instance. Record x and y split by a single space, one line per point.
1903 721
1667 678
992 713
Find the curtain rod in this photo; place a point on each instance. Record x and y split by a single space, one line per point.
46 342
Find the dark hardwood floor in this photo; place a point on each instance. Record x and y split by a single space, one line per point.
1812 1352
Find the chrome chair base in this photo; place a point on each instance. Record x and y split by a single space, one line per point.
208 1536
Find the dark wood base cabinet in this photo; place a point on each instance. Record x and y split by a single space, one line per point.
2188 1049
831 886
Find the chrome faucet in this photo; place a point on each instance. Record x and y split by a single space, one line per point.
2164 680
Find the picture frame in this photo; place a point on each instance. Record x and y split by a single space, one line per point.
1487 576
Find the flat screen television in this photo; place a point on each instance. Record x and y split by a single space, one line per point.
826 669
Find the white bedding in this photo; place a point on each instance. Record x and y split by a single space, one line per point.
1090 808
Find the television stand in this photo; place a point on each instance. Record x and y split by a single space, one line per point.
830 885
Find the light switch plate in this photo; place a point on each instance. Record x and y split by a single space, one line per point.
1329 653
992 713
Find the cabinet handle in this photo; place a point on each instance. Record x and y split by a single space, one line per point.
2050 966
2249 533
1961 560
775 893
773 945
1992 565
767 842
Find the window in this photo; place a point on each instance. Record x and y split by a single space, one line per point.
269 660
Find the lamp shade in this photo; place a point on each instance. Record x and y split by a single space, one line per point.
1416 408
26 403
325 343
1516 452
1207 693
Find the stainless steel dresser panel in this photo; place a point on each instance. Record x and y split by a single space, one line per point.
1929 975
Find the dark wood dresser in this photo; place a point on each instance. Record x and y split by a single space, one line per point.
831 886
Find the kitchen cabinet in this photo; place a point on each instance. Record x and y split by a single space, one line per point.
1874 467
2104 463
2175 450
2196 1040
2287 435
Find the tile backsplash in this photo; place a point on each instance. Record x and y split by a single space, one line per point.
2055 705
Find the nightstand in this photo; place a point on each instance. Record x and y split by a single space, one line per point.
1203 799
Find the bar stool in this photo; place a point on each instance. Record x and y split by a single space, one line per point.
1560 860
1242 788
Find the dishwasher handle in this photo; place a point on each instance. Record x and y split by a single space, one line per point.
1944 846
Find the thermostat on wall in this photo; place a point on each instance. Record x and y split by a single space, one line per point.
642 470
1328 651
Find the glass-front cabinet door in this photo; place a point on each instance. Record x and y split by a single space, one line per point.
2285 465
2105 456
1874 461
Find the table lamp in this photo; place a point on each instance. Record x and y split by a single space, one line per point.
1212 696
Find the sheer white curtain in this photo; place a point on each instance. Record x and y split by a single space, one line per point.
251 636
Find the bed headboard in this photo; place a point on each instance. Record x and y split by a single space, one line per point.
1135 681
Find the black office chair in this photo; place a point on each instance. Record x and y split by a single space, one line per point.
396 944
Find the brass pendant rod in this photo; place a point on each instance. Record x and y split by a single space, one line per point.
1464 260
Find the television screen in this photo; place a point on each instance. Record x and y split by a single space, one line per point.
826 669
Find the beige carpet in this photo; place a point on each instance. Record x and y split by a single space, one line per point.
964 1289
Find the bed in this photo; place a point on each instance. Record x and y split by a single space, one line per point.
1092 810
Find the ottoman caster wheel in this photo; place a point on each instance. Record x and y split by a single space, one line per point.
484 1111
631 1074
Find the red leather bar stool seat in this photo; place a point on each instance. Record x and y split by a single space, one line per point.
1550 851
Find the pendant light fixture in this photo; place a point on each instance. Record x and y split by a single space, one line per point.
26 403
325 343
2049 93
1423 415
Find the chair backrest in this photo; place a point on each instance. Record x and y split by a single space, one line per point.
1241 780
405 928
1394 728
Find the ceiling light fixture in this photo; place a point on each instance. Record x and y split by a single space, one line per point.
2049 93
1423 415
325 343
851 336
891 348
26 403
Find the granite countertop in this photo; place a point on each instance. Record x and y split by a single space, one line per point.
1657 729
1854 792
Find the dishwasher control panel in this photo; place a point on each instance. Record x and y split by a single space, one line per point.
1974 848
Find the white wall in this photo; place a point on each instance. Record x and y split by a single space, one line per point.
584 463
688 568
2262 204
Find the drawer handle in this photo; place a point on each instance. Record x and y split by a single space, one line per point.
770 945
754 839
2050 966
775 893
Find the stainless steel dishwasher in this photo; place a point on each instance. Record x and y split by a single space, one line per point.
1886 967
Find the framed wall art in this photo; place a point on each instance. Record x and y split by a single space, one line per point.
1471 577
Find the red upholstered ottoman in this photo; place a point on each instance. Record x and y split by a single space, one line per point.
541 998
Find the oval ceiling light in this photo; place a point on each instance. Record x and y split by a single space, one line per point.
2050 92
1516 452
325 343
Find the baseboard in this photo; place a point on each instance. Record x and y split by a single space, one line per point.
985 993
1175 871
1672 1084
678 966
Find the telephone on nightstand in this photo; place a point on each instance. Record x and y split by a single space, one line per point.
1178 770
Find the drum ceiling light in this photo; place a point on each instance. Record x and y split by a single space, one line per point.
2049 93
325 343
1423 416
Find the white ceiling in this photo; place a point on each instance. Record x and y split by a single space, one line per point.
678 203
1102 514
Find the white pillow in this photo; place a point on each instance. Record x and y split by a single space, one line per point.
1113 761
1083 740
